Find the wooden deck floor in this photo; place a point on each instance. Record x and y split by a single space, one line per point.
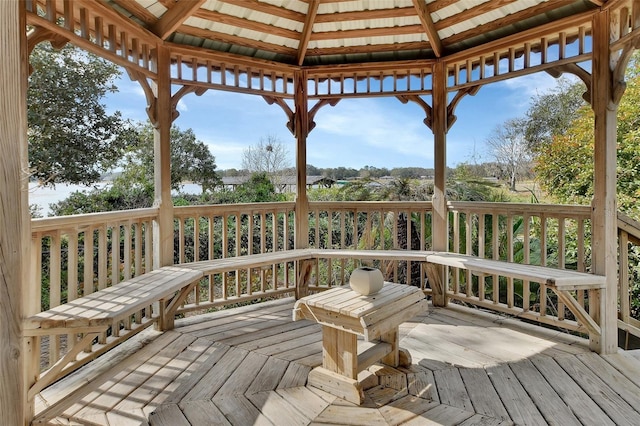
249 366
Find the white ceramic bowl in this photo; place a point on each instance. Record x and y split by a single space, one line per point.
366 280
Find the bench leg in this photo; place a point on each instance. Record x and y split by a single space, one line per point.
304 274
436 274
168 308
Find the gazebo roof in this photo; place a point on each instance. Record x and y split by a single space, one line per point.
323 32
342 48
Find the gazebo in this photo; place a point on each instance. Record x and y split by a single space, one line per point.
303 55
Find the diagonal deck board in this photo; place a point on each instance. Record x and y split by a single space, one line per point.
468 368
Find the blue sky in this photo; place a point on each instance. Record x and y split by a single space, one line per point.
378 132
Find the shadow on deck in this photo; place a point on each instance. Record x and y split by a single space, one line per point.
249 366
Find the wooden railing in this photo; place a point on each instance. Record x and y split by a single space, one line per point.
628 276
220 231
369 225
77 255
548 235
121 247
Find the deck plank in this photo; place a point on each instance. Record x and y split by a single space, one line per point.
269 376
615 407
451 389
483 395
240 411
278 409
216 377
573 395
469 368
309 402
204 413
514 397
551 406
168 415
441 415
197 371
112 391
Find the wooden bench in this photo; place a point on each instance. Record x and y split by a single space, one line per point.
561 281
93 314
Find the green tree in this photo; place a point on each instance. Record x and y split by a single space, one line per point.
258 189
565 165
191 160
71 136
552 113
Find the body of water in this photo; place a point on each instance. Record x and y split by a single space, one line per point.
44 196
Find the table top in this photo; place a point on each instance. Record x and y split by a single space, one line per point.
347 302
370 315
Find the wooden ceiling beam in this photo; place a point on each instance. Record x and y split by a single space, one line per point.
520 38
174 17
368 32
308 28
247 24
203 55
429 28
369 48
269 9
236 40
476 11
137 10
499 23
396 12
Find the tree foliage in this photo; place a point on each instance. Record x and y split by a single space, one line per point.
552 113
71 136
565 165
510 150
191 160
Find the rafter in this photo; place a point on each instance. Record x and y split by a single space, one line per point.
429 27
396 12
174 17
308 28
368 32
214 16
269 9
481 9
370 48
236 40
511 20
137 10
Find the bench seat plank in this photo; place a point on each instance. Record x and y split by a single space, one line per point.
227 264
102 307
400 255
561 279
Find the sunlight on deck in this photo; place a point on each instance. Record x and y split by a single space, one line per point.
249 366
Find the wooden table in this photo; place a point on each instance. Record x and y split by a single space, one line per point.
345 314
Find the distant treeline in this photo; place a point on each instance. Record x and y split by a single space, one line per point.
338 173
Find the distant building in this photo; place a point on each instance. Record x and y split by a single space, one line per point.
287 184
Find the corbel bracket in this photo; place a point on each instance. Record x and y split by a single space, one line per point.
291 115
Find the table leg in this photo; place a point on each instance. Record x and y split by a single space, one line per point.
340 352
393 358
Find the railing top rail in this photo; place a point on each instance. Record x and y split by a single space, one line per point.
370 205
87 219
520 208
630 226
185 211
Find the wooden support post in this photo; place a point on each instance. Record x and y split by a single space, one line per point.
604 214
163 227
14 214
301 131
440 229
